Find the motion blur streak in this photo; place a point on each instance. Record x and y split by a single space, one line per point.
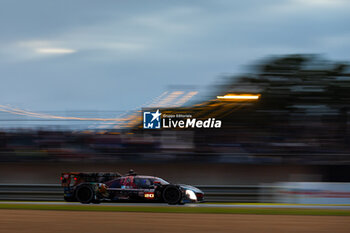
48 116
239 97
170 98
160 101
294 127
185 98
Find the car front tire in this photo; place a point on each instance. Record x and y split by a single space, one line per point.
172 195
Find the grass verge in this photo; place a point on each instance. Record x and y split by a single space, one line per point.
204 210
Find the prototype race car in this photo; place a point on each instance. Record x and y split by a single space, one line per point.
96 187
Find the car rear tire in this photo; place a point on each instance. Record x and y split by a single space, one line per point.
85 194
172 195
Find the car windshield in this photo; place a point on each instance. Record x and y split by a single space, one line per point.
146 182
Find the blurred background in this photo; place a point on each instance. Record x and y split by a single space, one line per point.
76 76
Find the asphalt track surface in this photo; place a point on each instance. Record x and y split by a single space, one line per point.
228 205
53 220
41 221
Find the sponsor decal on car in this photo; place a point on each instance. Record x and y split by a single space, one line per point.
148 195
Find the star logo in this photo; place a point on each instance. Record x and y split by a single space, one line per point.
156 115
151 120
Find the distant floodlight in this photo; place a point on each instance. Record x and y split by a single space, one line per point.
55 51
240 97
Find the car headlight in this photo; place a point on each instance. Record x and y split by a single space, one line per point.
191 195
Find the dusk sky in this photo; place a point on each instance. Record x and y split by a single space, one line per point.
117 55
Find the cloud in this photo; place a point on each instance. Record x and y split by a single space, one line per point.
120 39
55 51
340 41
321 3
124 45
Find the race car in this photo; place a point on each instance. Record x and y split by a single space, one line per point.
97 187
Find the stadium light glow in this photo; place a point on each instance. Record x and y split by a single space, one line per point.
240 97
55 51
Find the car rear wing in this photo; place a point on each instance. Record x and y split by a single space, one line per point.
75 178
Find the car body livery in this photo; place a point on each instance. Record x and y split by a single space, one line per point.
97 187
